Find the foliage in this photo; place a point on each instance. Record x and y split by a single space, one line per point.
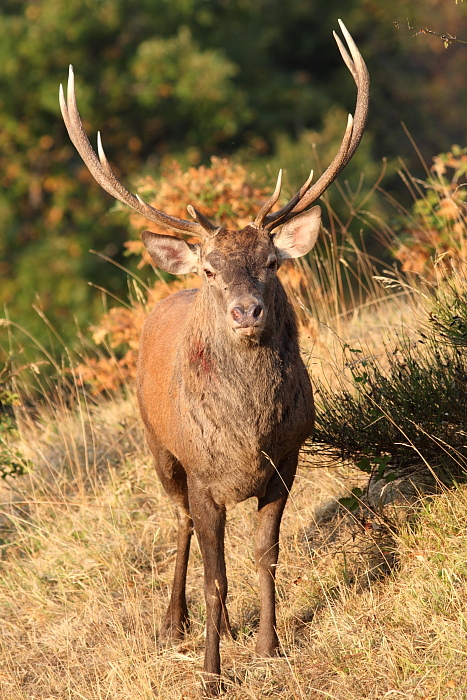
436 226
223 191
408 408
449 315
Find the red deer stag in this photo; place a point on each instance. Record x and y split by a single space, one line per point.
224 395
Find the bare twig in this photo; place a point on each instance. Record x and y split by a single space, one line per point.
446 38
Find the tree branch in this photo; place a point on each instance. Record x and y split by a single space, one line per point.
446 38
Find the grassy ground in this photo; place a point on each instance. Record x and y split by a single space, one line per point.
87 551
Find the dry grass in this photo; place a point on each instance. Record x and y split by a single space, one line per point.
87 560
88 549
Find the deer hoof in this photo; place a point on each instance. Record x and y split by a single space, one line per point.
267 648
212 686
174 630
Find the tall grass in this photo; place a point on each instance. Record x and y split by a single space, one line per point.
87 554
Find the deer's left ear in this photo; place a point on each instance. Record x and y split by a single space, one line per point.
298 236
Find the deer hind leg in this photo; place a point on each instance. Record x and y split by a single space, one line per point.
270 509
173 479
209 520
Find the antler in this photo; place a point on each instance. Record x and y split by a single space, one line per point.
102 172
352 137
100 169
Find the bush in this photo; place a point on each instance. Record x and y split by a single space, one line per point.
407 409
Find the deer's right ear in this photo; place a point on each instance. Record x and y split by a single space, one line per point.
171 254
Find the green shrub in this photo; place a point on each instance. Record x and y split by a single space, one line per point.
407 408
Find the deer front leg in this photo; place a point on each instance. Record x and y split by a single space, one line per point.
209 521
173 479
176 618
270 509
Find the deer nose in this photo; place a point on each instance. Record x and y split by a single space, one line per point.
249 316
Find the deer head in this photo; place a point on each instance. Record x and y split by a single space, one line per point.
239 267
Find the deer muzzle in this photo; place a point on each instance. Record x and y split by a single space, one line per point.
247 318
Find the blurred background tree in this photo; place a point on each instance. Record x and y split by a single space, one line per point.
260 81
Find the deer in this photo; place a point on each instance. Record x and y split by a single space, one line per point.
224 394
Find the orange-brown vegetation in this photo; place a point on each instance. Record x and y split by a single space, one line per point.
436 229
223 191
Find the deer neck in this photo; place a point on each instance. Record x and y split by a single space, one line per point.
211 347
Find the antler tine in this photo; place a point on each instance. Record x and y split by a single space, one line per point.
362 80
267 206
102 156
291 203
350 141
347 59
209 227
102 172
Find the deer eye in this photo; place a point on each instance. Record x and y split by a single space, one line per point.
272 264
209 273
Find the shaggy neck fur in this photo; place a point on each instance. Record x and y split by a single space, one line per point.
214 348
